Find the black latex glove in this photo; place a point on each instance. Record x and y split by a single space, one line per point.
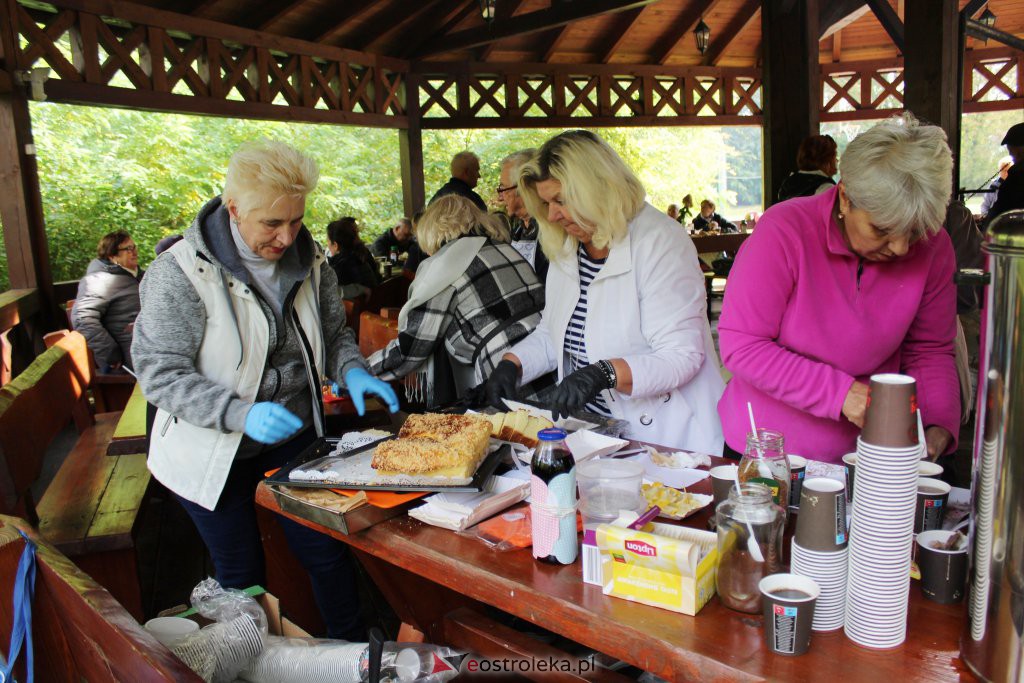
502 383
576 390
477 396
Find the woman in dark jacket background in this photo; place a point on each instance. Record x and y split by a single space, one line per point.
350 259
108 301
817 161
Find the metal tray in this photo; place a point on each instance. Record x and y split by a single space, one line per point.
325 446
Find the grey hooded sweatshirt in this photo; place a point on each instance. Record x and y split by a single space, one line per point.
169 332
104 310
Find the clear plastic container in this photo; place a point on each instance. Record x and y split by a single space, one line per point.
749 511
764 462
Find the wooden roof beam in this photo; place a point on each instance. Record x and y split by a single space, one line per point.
666 46
506 10
440 27
386 22
972 8
979 30
837 15
349 11
890 21
620 28
531 22
262 21
739 23
557 38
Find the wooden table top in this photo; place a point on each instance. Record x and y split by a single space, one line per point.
729 241
717 644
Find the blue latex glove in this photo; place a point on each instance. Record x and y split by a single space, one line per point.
359 382
269 422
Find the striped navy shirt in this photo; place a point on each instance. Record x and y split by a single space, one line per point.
575 346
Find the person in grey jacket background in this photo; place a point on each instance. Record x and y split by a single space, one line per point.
241 322
108 301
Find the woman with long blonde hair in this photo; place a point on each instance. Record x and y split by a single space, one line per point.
624 323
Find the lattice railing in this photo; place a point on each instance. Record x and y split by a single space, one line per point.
457 95
161 56
993 80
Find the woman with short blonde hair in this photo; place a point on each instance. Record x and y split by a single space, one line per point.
605 199
836 287
473 298
624 322
261 172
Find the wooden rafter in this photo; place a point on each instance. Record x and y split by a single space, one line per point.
743 18
386 22
525 24
506 10
890 21
557 38
837 15
683 29
618 33
336 22
203 8
837 46
972 8
442 25
262 21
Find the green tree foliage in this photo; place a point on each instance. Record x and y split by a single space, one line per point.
108 169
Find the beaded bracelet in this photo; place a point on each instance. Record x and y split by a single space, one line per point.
608 369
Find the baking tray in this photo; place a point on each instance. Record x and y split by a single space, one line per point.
324 446
349 522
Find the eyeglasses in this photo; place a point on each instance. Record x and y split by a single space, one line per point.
502 190
133 249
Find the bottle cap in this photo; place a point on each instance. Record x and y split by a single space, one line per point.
551 434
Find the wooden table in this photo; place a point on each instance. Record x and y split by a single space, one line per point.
729 242
130 432
440 583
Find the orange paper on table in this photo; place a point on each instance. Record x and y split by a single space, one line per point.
381 499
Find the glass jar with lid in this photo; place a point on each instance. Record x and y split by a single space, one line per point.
749 517
764 462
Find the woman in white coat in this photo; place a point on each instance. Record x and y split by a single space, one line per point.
624 321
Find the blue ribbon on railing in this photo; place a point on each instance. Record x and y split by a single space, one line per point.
21 628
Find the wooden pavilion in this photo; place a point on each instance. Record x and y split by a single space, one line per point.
783 64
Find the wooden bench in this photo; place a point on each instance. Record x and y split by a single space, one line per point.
375 331
90 509
109 392
80 632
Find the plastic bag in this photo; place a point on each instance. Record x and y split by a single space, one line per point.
219 651
510 530
284 660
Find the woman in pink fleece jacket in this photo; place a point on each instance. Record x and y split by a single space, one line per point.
833 288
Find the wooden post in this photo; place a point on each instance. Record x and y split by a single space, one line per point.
792 90
410 141
932 72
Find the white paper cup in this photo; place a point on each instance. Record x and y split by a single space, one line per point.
171 630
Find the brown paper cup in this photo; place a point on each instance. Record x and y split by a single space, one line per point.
797 471
723 480
943 572
821 524
932 496
891 416
788 612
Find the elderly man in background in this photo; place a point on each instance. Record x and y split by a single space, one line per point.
524 227
989 199
1011 190
465 176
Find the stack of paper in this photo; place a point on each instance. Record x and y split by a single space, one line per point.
459 511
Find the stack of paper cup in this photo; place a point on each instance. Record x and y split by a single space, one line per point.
882 528
978 605
820 548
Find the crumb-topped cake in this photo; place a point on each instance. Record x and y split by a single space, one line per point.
433 445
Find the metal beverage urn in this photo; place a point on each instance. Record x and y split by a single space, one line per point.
992 644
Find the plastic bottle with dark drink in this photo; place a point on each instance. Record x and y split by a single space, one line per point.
553 499
393 255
